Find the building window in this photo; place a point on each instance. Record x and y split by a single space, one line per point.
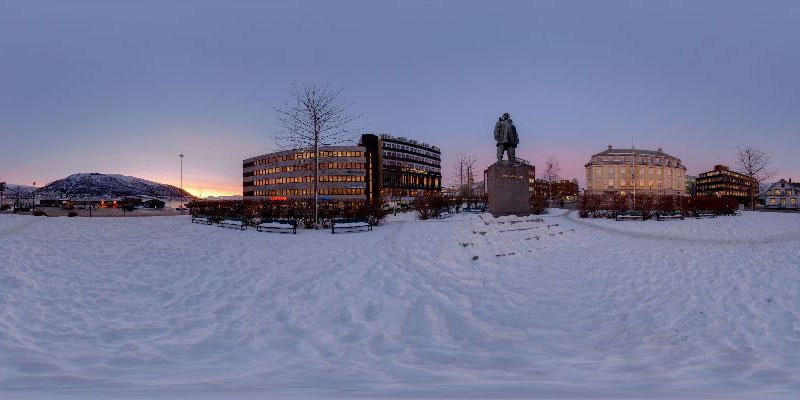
793 201
772 201
611 183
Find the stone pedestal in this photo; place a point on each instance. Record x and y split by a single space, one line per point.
507 189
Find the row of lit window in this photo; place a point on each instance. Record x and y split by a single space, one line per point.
387 145
301 179
724 172
310 192
310 167
723 186
623 183
308 154
623 169
643 160
777 192
405 164
792 201
404 156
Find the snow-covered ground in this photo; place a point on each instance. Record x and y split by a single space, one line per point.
469 306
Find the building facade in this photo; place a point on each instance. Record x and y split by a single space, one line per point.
721 181
691 185
290 174
783 194
380 166
562 189
407 168
635 171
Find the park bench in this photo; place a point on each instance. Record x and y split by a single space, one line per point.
201 220
669 216
232 224
443 215
350 224
278 225
629 216
705 215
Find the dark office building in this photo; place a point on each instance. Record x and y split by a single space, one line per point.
724 182
406 168
380 166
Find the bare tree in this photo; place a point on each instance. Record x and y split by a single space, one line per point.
551 173
754 163
314 116
463 172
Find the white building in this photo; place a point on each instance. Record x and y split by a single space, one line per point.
782 194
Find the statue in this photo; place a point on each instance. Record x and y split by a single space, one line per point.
505 133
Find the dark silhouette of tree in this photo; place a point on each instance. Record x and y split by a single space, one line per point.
754 163
314 116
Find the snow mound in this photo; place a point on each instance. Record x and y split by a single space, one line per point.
470 306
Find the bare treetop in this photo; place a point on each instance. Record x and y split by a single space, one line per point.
314 115
552 169
754 163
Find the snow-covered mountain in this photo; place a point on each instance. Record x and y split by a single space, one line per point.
23 190
107 185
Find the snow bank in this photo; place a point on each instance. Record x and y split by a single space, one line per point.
469 306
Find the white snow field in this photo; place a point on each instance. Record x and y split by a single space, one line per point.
467 307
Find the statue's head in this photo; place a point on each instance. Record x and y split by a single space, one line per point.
505 116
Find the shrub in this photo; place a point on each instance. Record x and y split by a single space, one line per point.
666 204
539 203
40 213
429 205
645 204
376 212
72 214
616 204
591 205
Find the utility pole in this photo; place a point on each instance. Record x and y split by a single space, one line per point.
181 156
633 165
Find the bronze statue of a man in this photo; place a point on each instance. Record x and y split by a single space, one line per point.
505 133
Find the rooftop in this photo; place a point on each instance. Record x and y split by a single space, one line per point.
612 151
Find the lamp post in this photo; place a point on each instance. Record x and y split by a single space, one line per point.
181 156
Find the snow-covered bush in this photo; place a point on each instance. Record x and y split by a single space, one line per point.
539 203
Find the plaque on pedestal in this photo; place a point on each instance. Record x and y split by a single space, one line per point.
507 189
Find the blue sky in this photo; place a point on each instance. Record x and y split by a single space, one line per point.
123 87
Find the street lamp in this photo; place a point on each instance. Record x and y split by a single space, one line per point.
181 156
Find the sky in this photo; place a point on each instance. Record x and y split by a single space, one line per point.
124 87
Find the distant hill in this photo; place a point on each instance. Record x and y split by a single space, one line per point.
89 185
23 190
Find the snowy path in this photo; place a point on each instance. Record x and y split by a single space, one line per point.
464 307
